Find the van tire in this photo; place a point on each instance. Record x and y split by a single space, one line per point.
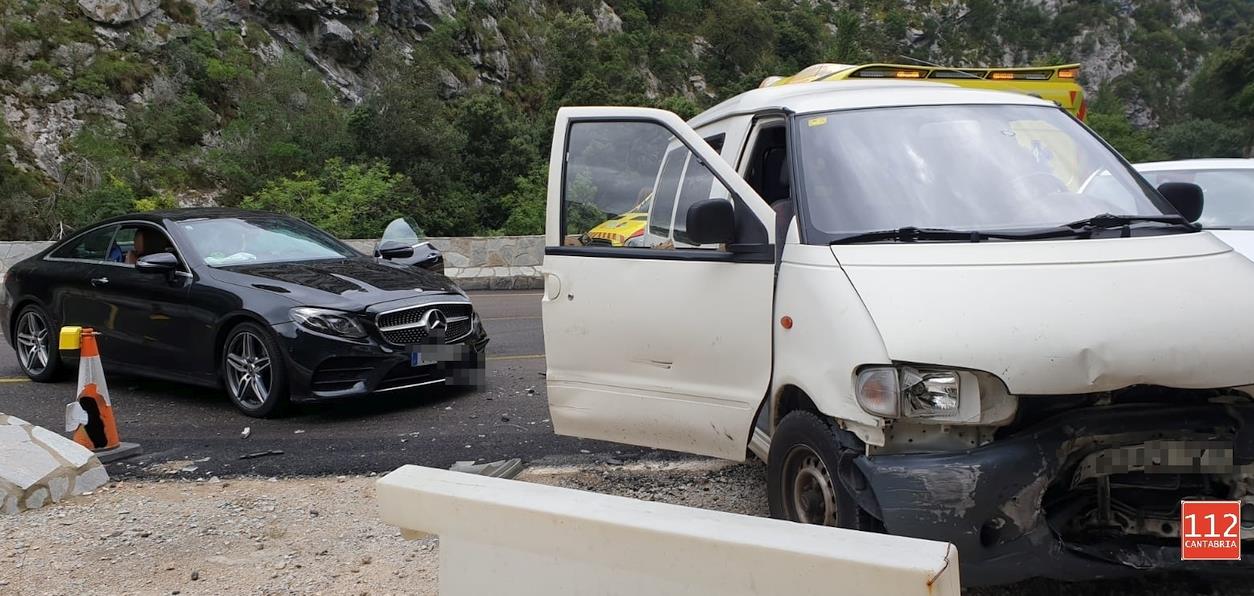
801 482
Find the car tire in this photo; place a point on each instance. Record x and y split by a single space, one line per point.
801 481
34 337
254 372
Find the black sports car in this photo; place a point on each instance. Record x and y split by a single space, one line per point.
267 306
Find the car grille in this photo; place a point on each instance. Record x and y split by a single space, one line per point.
401 327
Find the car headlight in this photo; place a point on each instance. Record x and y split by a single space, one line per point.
636 241
904 391
329 322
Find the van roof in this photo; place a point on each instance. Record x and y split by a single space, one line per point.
846 94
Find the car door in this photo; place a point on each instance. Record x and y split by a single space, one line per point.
666 345
77 267
142 318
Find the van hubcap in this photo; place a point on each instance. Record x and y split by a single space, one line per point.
248 373
32 343
811 496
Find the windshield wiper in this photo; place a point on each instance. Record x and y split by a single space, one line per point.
1108 220
913 234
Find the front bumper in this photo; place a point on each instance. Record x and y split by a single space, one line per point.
996 502
322 368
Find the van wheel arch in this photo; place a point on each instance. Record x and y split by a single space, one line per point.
792 398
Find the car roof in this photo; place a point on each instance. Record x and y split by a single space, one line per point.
190 213
846 94
1218 163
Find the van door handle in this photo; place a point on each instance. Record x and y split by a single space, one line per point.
99 281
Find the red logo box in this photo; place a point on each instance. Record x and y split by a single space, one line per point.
1210 530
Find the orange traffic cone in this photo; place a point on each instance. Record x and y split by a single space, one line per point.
90 417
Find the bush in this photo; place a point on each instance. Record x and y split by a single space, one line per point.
114 197
1200 138
347 200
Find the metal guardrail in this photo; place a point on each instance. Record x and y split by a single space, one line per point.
510 537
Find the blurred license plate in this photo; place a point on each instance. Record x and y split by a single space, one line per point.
424 354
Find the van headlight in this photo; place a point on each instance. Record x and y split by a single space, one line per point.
893 392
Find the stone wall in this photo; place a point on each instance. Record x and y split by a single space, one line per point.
496 263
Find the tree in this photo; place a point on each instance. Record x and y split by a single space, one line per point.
288 121
347 200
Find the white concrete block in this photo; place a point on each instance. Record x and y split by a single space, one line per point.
74 453
90 479
37 498
58 486
509 537
24 462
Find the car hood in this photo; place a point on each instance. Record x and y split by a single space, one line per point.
345 284
1065 317
1241 241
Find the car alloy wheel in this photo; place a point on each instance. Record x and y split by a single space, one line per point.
34 349
811 497
249 374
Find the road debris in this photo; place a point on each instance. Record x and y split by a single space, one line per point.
257 454
248 430
506 468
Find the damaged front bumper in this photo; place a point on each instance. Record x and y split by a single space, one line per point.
1083 495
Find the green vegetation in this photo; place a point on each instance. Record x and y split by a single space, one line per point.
222 116
348 200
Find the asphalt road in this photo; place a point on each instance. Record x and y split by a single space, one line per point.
179 426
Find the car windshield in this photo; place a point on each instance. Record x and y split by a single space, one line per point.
233 241
403 230
963 167
1228 195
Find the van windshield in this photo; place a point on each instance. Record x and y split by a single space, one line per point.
960 167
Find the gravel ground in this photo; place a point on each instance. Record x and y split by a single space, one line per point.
322 535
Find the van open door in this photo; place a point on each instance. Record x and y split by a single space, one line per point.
664 341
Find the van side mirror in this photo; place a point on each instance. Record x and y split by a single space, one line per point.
394 249
158 262
712 221
1185 197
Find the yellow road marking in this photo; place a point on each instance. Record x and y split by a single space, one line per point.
516 357
13 380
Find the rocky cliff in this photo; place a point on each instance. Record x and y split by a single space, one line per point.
68 65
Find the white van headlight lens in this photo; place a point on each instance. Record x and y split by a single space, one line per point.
891 392
878 391
930 393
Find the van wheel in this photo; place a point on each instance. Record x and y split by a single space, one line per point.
801 481
254 372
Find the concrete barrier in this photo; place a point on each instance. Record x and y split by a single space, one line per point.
510 537
475 263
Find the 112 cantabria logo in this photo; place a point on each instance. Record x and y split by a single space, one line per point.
1210 530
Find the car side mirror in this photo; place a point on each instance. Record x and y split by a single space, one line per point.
394 249
712 221
1185 197
159 262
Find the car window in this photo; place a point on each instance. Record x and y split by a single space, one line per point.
92 246
134 241
614 169
258 240
1228 195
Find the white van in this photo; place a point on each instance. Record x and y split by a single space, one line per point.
907 299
